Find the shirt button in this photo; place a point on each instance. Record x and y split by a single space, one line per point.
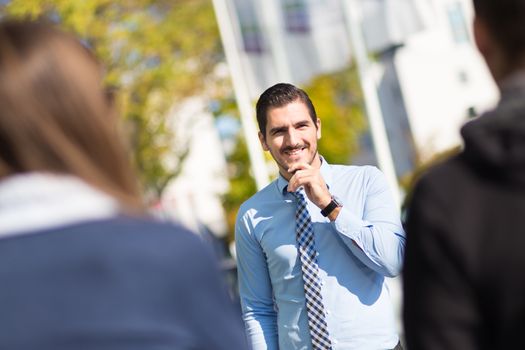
327 312
334 341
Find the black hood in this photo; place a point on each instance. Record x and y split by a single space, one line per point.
495 141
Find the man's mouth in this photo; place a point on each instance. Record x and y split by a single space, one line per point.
293 151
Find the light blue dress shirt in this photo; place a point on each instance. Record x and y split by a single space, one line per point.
355 252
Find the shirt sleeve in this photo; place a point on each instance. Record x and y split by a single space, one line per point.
255 290
377 239
439 307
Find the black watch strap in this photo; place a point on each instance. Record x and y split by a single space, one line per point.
334 203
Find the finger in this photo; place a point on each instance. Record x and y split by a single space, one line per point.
299 166
292 184
301 178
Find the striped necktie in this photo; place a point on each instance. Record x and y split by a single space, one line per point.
310 269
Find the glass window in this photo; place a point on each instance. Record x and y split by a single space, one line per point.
458 25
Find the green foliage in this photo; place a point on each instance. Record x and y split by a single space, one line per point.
241 181
339 104
155 52
242 184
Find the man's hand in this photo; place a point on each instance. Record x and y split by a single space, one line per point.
314 186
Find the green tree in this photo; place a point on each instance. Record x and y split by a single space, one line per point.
338 102
155 52
242 184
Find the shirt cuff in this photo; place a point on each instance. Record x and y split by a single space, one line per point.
349 224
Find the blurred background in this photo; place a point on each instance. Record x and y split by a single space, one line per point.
392 81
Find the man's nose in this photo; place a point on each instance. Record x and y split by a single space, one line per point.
292 137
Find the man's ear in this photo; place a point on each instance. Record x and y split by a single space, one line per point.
490 49
482 37
318 126
263 141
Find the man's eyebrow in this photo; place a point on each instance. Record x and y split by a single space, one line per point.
276 129
302 122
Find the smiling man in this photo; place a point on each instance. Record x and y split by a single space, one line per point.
315 245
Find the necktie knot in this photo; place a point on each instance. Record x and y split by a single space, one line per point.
299 194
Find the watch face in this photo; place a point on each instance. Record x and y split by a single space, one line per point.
337 201
334 203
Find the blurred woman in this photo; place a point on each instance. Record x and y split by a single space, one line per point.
81 267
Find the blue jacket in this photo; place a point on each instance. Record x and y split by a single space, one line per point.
119 283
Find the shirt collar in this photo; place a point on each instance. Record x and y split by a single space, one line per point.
38 201
326 172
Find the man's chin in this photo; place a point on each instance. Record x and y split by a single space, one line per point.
289 164
291 160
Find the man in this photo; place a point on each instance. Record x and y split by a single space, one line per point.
357 241
464 278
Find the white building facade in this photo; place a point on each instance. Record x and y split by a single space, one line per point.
443 77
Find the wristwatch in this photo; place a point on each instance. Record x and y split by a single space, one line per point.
334 203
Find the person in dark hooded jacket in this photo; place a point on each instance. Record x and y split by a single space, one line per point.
464 272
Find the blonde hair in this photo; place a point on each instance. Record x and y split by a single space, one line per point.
54 115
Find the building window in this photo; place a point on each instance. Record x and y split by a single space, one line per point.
458 25
296 16
252 39
252 36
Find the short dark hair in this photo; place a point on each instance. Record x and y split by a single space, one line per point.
279 95
506 21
